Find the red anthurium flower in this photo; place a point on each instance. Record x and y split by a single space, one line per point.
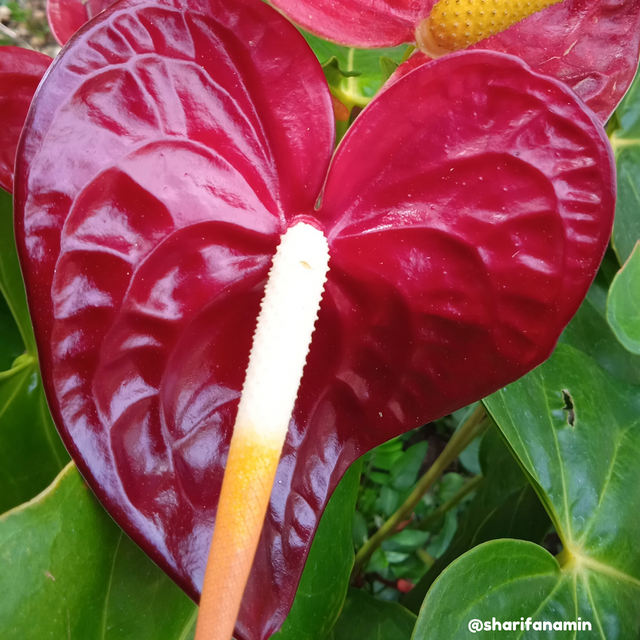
592 45
65 17
172 144
20 73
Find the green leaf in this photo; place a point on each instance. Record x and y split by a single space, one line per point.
626 229
440 543
406 541
623 305
599 289
404 472
11 285
626 147
388 501
387 67
505 505
628 111
68 571
365 618
325 579
366 63
379 562
590 333
360 530
576 431
31 452
449 485
511 581
385 457
11 345
470 459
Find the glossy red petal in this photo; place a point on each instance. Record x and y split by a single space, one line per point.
20 73
65 17
592 45
358 23
169 148
467 211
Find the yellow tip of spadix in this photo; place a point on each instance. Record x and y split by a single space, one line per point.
457 24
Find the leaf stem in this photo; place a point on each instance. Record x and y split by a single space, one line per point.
426 557
21 362
471 428
565 558
14 36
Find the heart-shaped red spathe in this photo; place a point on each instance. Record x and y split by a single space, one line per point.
591 45
467 210
65 17
20 73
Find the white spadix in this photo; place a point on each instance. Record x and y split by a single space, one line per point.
283 336
281 343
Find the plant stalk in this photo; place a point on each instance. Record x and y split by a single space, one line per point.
14 36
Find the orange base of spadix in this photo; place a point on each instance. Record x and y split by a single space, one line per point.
246 489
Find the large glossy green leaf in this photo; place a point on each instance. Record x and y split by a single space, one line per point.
511 581
365 618
505 506
372 65
626 145
68 571
576 431
31 452
623 306
325 579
